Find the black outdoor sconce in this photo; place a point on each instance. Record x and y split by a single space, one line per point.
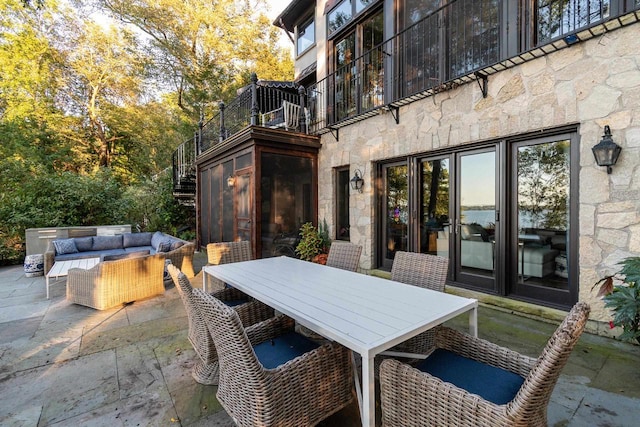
231 181
606 151
357 182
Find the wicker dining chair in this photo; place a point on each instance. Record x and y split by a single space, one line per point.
250 312
426 271
495 386
225 253
344 255
271 376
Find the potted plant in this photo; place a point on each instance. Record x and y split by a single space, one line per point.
314 243
621 293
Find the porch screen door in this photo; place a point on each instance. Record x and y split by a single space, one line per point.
243 206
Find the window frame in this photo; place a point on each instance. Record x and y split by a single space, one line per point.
309 22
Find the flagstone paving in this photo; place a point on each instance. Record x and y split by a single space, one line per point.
63 364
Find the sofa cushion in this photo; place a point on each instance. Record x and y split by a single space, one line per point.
87 254
136 239
84 243
65 246
125 255
140 248
164 246
282 349
157 237
101 243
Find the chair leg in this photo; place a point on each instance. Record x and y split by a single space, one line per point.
206 374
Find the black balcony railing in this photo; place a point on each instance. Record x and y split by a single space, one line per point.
259 104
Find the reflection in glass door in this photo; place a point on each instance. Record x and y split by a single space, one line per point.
434 214
397 211
476 219
542 213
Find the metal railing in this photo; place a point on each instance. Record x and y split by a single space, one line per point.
247 109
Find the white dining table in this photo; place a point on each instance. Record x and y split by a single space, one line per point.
364 313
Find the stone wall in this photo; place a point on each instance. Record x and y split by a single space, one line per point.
592 84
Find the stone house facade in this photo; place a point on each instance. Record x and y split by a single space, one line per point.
569 93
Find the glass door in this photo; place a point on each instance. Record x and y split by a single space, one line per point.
540 228
435 227
396 208
476 218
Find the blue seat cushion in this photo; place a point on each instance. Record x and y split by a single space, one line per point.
234 302
281 349
493 384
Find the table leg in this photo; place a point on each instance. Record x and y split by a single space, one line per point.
368 410
46 283
473 322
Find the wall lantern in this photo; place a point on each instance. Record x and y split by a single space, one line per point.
606 151
231 181
357 182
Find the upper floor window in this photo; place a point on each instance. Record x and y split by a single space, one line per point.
306 36
559 17
344 11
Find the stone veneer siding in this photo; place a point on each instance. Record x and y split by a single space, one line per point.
593 84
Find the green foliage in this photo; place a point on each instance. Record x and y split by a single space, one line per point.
312 242
624 298
153 207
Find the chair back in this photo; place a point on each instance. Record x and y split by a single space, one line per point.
533 397
344 255
423 270
291 115
241 375
199 335
226 253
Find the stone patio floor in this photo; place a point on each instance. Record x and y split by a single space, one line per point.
63 364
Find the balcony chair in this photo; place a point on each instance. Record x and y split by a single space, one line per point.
271 376
287 116
468 381
344 255
426 271
206 370
225 253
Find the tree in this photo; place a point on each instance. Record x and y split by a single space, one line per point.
205 50
104 75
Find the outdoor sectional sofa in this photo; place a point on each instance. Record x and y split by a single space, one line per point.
126 245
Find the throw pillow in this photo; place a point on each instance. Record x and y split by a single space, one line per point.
157 237
164 246
65 246
176 244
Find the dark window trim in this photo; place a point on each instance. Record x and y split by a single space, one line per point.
503 146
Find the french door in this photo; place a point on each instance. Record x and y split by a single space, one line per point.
502 214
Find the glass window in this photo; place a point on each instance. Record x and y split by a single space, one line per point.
415 10
306 36
363 4
474 35
558 17
340 16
